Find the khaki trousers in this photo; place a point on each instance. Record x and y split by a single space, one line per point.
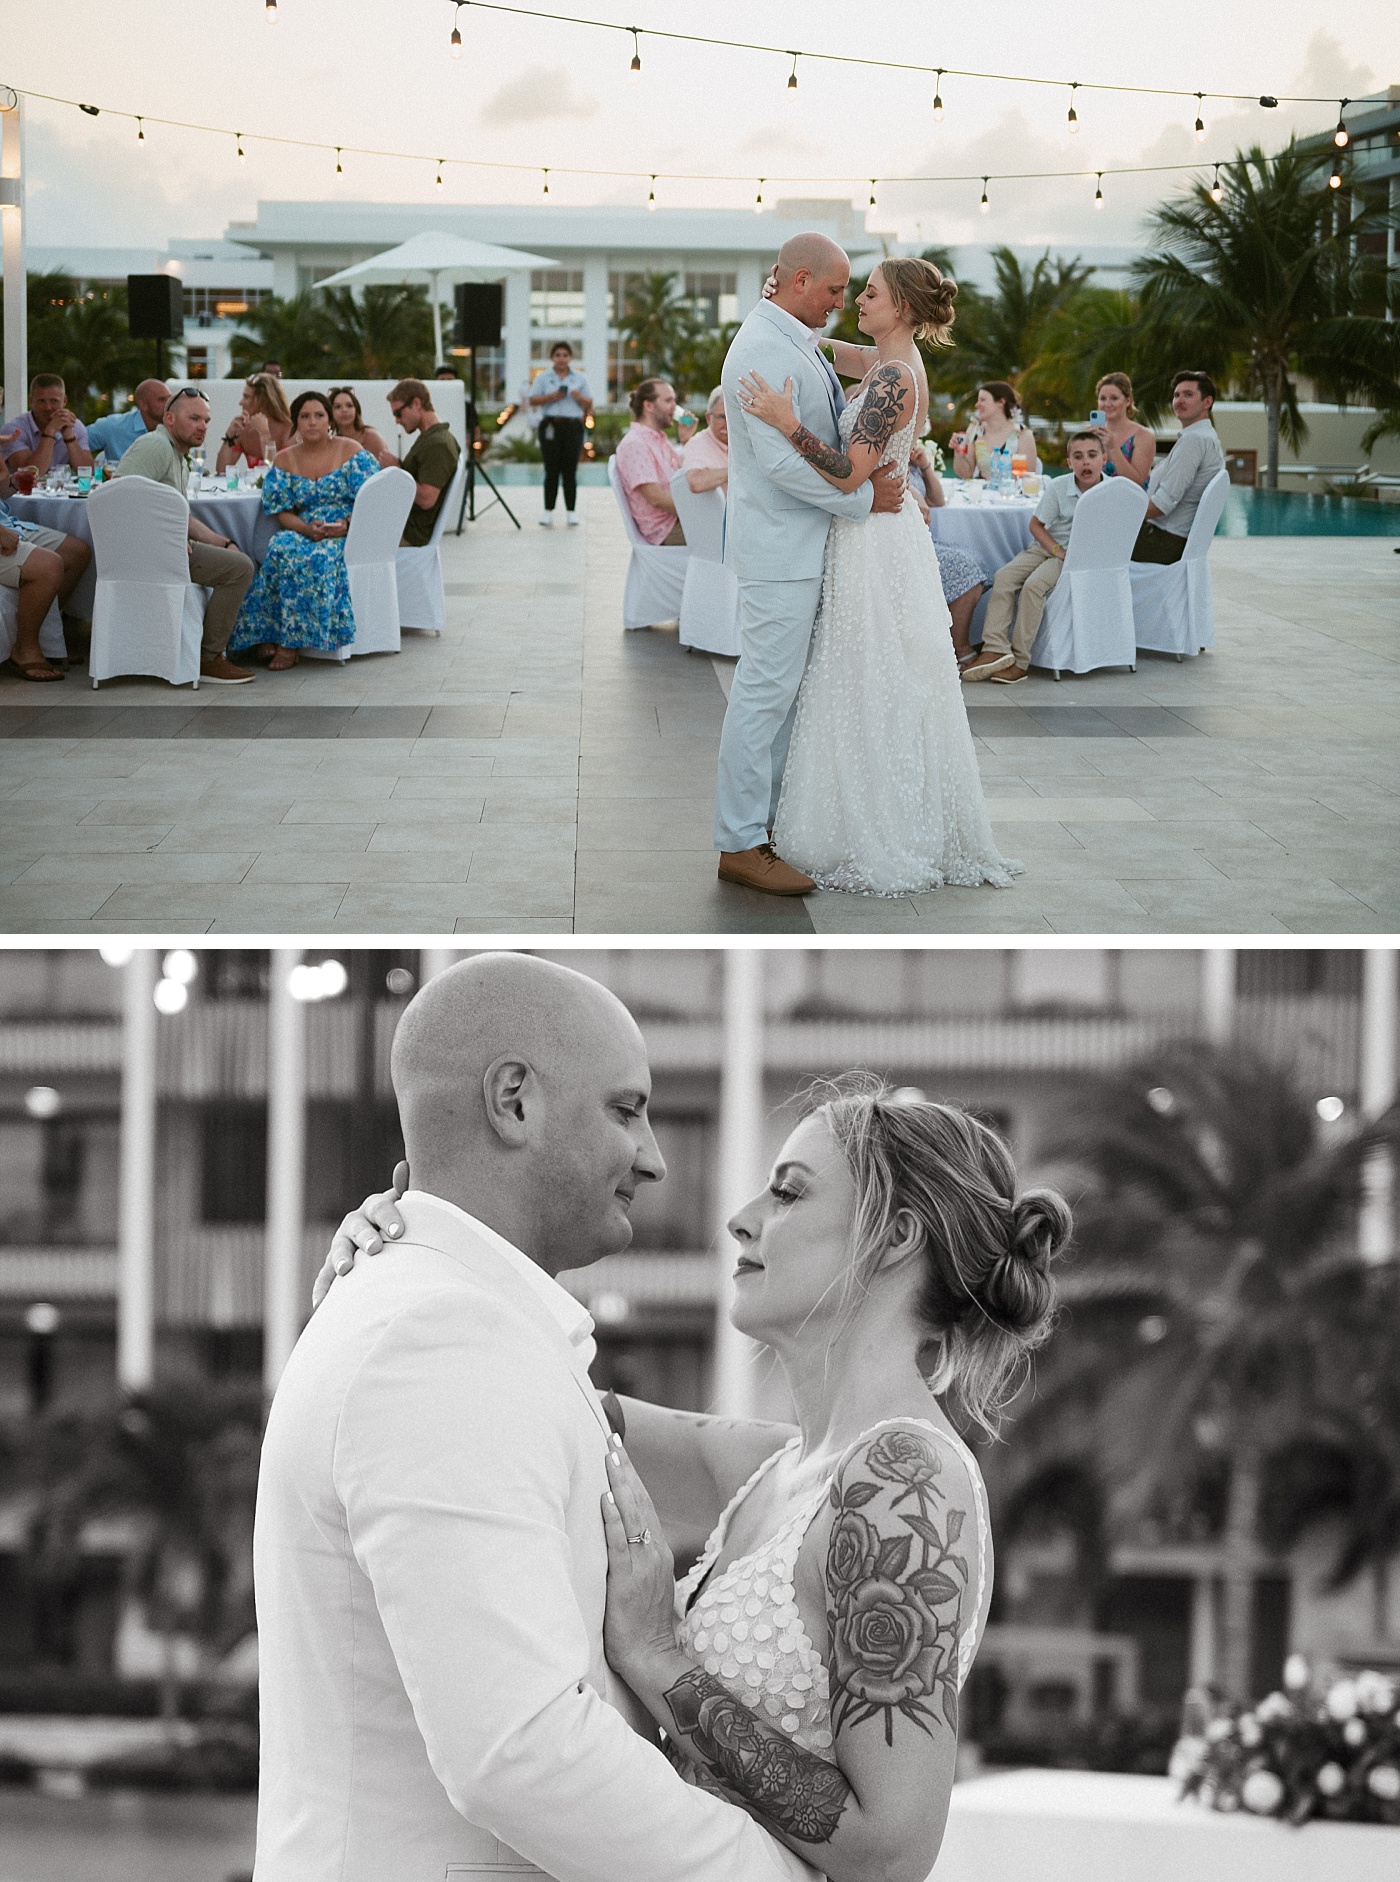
230 574
1030 576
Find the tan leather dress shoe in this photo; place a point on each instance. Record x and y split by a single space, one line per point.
763 868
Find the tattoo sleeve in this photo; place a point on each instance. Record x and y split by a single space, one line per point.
882 409
895 1584
826 457
798 1793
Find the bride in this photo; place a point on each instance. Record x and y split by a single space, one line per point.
809 1665
881 794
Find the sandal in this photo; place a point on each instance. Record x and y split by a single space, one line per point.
283 660
40 671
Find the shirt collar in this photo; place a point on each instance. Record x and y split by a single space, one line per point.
798 329
1201 423
571 1316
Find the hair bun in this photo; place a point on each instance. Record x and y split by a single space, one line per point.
1020 1291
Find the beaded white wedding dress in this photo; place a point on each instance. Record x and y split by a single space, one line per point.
881 793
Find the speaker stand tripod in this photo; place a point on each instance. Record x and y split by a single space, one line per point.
467 508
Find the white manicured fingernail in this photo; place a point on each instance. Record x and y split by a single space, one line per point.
611 1498
394 1229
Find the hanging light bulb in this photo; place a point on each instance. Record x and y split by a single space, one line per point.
239 140
339 167
1073 119
758 200
1334 182
792 79
546 183
1217 191
872 192
438 184
1098 191
141 134
984 205
1341 137
635 69
454 45
270 11
1200 119
938 97
651 197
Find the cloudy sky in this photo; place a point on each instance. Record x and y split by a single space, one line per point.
371 73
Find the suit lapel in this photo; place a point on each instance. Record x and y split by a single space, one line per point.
831 385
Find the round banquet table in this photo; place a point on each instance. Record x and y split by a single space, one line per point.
237 514
993 530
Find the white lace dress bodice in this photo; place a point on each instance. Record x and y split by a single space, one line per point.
881 794
744 1627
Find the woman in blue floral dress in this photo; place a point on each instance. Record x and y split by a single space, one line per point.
301 594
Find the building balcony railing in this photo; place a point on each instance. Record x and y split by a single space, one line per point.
58 1274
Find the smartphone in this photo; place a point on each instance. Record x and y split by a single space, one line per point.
1097 418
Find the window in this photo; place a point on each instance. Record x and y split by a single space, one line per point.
207 305
556 299
1298 970
1064 977
233 1162
59 1180
715 297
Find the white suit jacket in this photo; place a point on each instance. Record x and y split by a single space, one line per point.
431 1568
779 509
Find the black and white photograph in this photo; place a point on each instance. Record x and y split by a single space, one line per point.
741 1412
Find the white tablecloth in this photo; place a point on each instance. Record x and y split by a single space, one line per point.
237 515
993 530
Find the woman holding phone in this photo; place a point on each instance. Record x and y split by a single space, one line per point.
1128 447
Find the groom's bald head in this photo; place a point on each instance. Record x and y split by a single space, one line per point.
812 275
522 1090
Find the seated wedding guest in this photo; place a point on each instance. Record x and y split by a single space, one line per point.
1176 486
43 566
1128 447
647 461
273 368
349 422
996 435
301 594
262 427
960 575
114 434
706 458
563 401
48 434
431 460
215 561
1020 589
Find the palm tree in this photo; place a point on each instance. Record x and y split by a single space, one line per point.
83 337
383 333
1268 284
1216 1292
658 324
181 1461
1002 335
293 331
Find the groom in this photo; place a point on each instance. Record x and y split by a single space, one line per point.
776 520
429 1548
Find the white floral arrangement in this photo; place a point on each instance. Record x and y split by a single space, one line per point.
1329 1750
936 458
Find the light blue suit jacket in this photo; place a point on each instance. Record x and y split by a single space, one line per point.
779 509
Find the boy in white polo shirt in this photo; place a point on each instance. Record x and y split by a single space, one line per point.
1020 588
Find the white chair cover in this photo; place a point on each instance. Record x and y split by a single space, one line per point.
382 504
710 597
51 642
147 615
1173 608
422 603
655 576
1088 619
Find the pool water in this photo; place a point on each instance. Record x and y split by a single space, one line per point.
1250 512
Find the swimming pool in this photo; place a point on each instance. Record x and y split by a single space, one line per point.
1250 512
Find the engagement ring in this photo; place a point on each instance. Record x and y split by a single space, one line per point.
644 1537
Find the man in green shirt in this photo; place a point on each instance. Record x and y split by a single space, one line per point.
215 562
431 461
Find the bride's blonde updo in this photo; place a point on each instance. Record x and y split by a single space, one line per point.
925 295
988 1298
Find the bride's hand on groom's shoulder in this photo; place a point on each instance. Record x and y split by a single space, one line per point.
363 1232
640 1619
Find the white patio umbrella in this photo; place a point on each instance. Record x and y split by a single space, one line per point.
436 256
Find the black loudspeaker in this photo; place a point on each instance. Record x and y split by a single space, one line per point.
480 308
155 307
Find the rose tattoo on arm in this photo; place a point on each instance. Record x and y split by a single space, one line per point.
798 1793
826 457
894 1588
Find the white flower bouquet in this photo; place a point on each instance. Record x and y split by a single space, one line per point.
1314 1750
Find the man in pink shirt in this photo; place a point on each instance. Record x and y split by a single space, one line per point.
647 461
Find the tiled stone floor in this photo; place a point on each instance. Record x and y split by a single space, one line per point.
537 771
